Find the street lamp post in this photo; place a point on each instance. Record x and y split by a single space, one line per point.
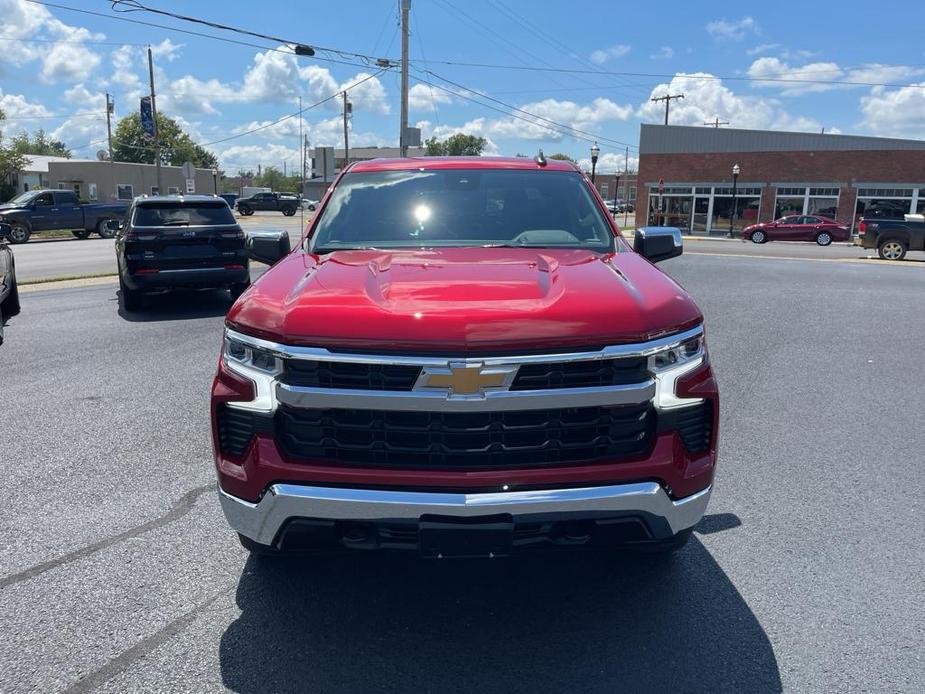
595 150
735 202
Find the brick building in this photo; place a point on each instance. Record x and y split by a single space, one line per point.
781 173
623 183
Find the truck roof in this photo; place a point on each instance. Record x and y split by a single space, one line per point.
419 163
175 198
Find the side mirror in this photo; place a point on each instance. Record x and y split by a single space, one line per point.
5 231
658 243
267 246
113 224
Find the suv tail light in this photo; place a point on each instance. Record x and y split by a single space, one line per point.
862 228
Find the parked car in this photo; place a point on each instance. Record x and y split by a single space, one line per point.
310 205
891 237
287 203
9 292
230 198
169 242
464 358
822 230
45 210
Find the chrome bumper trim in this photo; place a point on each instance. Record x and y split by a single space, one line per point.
489 401
263 520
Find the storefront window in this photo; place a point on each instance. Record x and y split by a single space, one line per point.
788 206
746 212
920 207
824 207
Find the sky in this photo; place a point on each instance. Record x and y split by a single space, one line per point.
556 76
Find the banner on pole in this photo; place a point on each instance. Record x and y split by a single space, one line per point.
147 118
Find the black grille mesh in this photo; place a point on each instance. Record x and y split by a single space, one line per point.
324 374
449 440
581 374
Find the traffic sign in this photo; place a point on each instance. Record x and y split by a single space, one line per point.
189 171
190 185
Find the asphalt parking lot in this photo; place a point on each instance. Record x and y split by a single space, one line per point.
118 573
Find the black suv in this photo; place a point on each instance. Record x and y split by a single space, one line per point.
171 242
9 293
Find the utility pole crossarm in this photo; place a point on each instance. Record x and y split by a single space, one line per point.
667 99
716 123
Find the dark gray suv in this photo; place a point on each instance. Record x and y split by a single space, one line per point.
9 293
179 242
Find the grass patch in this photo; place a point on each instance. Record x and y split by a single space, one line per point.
65 278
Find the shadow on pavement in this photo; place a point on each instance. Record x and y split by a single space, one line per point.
179 305
559 622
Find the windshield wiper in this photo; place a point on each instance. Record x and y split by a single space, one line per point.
175 223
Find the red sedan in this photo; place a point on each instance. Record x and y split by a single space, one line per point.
822 230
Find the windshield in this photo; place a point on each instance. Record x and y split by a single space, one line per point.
23 198
462 207
173 214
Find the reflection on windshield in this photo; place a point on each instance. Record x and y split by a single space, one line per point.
23 198
462 207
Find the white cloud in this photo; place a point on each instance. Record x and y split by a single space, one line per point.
579 116
18 108
69 61
821 76
368 96
21 20
735 30
663 53
424 98
191 95
895 112
166 50
609 163
706 99
249 156
602 55
762 48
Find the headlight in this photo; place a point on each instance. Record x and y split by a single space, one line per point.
250 356
259 365
670 364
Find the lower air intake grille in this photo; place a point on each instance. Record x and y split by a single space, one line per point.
695 425
452 440
235 430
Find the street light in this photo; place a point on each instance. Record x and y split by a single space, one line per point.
595 150
735 203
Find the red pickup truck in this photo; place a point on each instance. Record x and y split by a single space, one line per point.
464 357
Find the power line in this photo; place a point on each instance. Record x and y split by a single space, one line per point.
297 113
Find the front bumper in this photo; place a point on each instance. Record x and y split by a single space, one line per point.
648 502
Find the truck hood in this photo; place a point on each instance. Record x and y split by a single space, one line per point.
7 208
463 299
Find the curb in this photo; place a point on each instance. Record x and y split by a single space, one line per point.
66 283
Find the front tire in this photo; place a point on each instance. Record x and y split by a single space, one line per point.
288 211
668 546
311 208
81 233
129 299
245 211
20 233
104 231
823 238
759 236
893 249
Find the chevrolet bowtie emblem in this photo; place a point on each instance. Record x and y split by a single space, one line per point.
466 379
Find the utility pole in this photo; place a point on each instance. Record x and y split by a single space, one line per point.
347 106
157 144
626 173
305 157
112 169
716 123
667 99
301 171
402 140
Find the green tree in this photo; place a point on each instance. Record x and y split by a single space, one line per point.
458 145
11 165
177 147
39 143
561 157
273 178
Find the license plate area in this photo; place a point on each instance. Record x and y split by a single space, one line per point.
448 537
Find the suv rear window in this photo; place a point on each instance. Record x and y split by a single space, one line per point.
462 207
180 214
